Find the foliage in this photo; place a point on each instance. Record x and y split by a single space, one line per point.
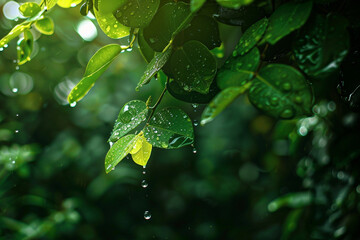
285 62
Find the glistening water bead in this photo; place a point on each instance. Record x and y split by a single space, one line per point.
144 184
147 215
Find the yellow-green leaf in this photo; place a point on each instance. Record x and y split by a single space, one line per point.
119 151
29 9
25 48
68 3
96 66
141 154
108 23
45 26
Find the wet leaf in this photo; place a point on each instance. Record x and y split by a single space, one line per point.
195 5
169 128
141 156
131 115
119 151
146 51
194 67
192 97
29 9
251 36
203 29
281 91
287 18
238 70
234 3
18 29
172 17
25 48
96 66
154 66
222 101
108 23
322 45
45 26
137 13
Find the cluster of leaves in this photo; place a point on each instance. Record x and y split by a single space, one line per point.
179 40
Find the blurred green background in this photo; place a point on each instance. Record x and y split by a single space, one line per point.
248 176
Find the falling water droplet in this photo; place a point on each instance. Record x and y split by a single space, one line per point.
147 215
144 184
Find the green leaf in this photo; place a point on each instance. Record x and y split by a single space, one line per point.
222 101
137 13
281 91
172 17
195 5
146 51
234 3
108 6
18 29
192 97
96 66
108 23
25 48
194 67
238 70
203 29
131 115
287 18
45 26
119 151
169 128
154 66
251 36
293 200
322 45
29 9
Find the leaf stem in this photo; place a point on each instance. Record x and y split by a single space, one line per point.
153 108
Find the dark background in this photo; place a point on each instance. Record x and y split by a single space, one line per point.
252 176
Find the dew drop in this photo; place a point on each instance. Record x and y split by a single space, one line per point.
15 90
73 104
144 184
147 215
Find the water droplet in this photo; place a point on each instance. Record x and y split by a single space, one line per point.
196 123
144 184
287 113
194 150
15 90
286 86
17 68
73 104
147 215
16 131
